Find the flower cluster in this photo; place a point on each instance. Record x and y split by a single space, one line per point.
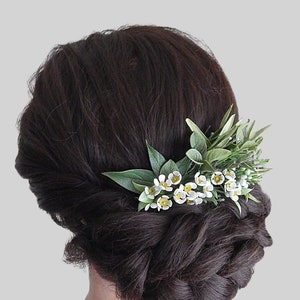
225 165
165 190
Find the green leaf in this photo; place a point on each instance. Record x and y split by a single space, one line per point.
139 187
228 125
168 167
249 129
215 194
249 145
214 201
258 132
183 165
238 206
144 182
263 170
156 159
217 154
245 191
226 116
198 142
124 178
196 129
258 140
193 126
223 143
253 198
141 206
194 155
144 198
207 166
240 134
219 140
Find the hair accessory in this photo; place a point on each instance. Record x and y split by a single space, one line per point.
224 165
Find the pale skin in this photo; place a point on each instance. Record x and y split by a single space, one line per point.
99 288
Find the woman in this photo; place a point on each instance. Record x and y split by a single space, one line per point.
94 104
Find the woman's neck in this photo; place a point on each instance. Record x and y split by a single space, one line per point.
100 289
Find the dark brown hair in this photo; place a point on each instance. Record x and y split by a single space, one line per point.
94 103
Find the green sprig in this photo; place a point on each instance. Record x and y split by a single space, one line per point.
233 146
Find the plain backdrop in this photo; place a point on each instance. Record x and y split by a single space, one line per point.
256 43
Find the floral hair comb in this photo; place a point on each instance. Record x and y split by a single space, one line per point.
224 165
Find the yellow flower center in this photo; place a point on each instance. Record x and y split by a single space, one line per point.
163 201
217 178
164 184
187 188
200 180
152 190
175 178
177 196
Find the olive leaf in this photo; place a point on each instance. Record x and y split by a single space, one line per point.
216 154
222 141
257 133
249 129
194 155
196 129
228 125
225 117
198 142
241 133
248 145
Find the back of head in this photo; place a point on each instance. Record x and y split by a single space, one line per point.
94 103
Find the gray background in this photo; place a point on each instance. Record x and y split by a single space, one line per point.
256 43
